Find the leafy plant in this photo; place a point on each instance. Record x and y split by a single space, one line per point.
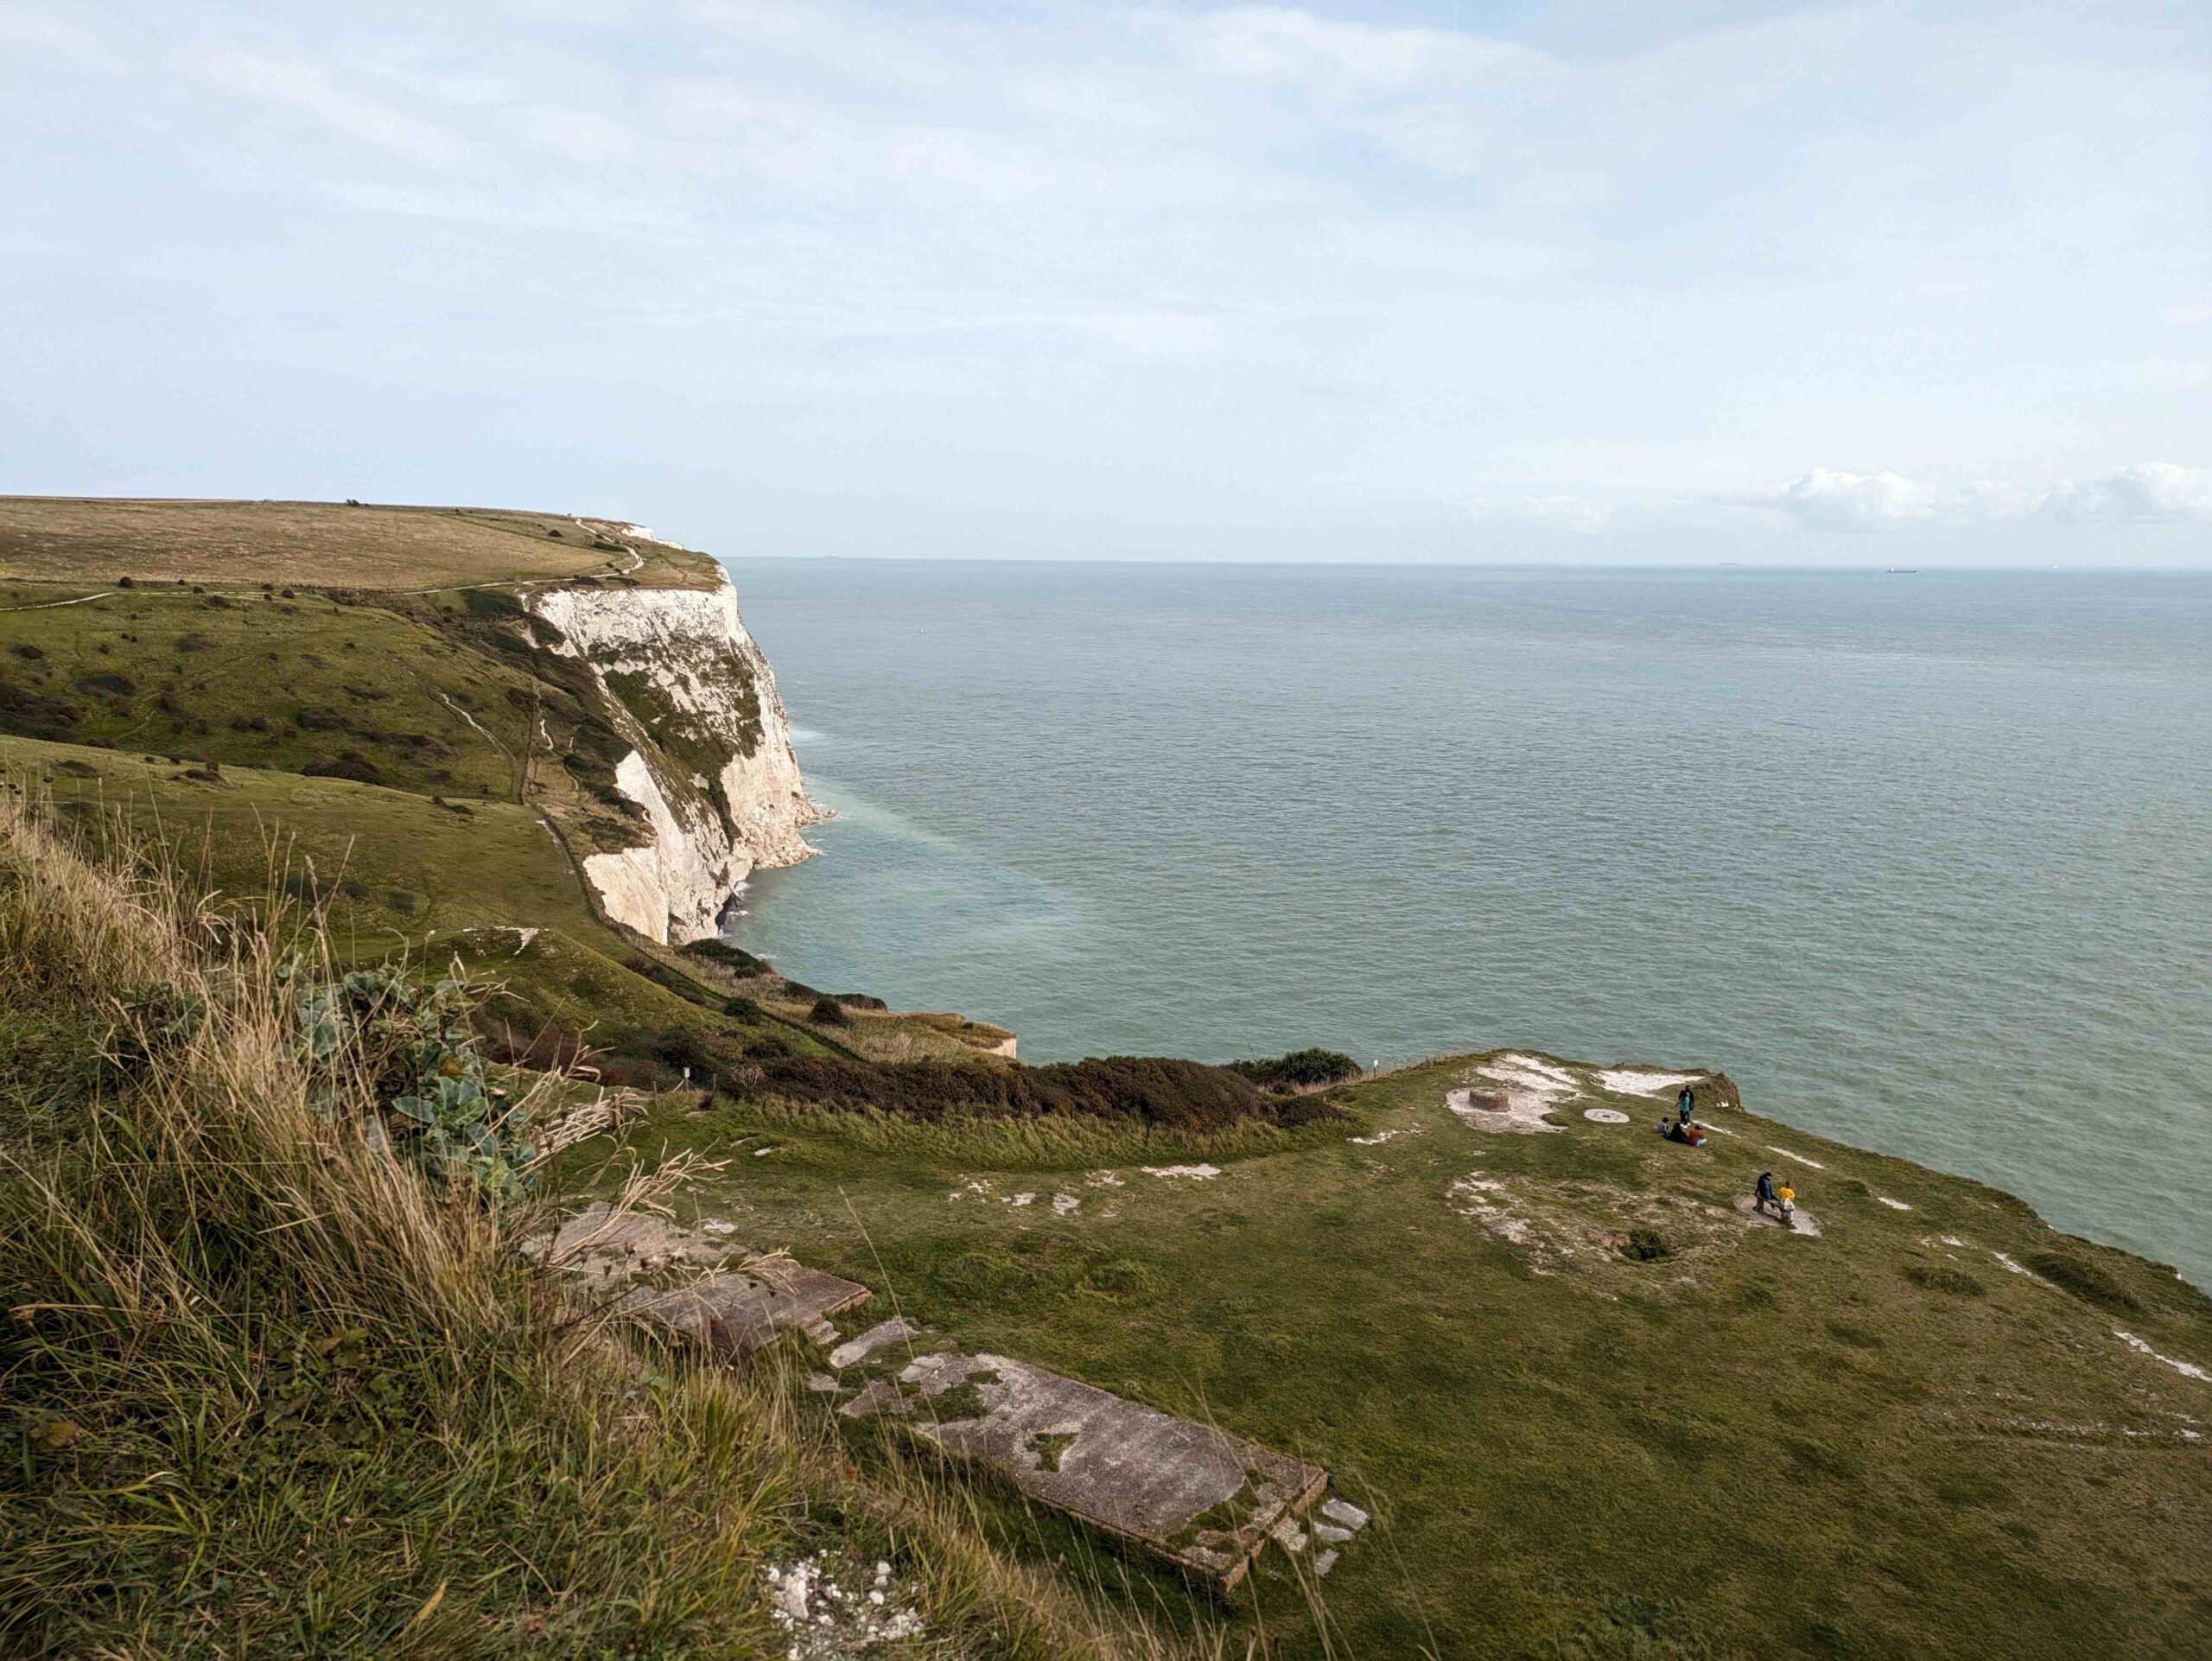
413 1046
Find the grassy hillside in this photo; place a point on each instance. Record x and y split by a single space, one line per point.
1919 1433
269 1387
1596 1411
91 543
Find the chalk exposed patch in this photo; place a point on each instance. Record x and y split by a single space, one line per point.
1020 1199
1381 1136
1799 1158
1488 1202
1196 1173
1064 1203
1104 1179
1800 1220
1532 1087
1605 1116
1636 1081
1894 1204
2187 1368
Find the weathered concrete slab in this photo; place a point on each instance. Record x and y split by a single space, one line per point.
1196 1495
739 1311
695 1285
610 1247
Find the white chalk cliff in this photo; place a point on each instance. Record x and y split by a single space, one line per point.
711 764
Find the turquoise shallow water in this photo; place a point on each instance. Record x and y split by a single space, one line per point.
1921 861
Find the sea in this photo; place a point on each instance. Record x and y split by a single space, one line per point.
1923 859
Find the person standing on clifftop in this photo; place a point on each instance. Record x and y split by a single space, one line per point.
1685 1102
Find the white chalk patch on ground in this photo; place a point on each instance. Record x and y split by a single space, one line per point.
762 1153
2016 1267
1894 1204
715 1225
2187 1368
1381 1136
1799 1158
1020 1199
1800 1220
1635 1081
1196 1173
1952 1240
1488 1202
1104 1179
1604 1115
828 1608
1063 1204
1326 1560
1523 1110
1330 1534
973 1188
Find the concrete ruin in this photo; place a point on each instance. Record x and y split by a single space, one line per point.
695 1286
1198 1495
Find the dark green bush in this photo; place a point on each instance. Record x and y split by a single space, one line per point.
1300 1069
1935 1277
1645 1246
827 1012
724 955
2083 1279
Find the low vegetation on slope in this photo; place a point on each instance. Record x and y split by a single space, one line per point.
1596 1409
274 1380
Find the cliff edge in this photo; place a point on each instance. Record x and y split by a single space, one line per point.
709 764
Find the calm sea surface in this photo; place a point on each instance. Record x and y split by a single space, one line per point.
1925 862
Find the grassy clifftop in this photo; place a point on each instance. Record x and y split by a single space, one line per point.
1596 1409
84 540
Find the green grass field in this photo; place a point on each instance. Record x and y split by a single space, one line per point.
1870 1443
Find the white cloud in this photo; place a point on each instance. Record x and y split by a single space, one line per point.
2150 493
296 83
2186 314
1827 500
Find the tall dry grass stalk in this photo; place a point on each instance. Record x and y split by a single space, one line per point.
182 1234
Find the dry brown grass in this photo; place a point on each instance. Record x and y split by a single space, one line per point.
324 544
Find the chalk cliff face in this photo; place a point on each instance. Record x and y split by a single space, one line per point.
710 763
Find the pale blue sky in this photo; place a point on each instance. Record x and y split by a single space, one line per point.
1865 283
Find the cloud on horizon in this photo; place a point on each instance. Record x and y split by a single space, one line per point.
1241 281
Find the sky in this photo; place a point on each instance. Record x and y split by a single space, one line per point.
1868 284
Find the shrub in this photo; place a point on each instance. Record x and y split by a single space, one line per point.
352 765
1300 1070
827 1012
860 1000
1150 1090
1935 1277
1645 1246
721 953
2084 1279
743 1008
